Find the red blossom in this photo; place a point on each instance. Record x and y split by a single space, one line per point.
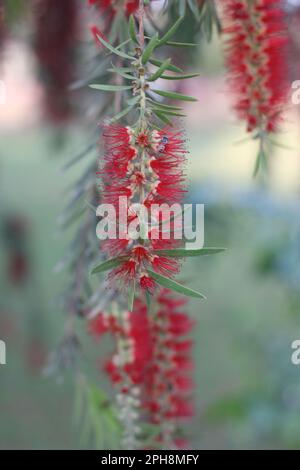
159 179
153 353
257 37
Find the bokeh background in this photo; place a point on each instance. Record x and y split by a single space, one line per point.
248 391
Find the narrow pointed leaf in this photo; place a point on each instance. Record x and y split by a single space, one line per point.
114 50
181 44
180 77
164 106
168 113
109 264
121 72
174 96
162 117
171 67
164 66
171 31
150 48
131 29
175 286
182 253
133 101
103 87
131 295
148 300
121 114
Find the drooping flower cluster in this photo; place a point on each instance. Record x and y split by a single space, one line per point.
144 168
169 383
150 366
256 45
56 29
128 365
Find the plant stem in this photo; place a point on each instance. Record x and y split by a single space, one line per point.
141 24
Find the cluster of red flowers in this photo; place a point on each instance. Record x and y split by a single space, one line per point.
56 29
144 167
152 355
256 60
110 7
169 382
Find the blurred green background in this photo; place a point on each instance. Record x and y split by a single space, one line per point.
247 390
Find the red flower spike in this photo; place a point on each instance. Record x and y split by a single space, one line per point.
144 167
257 38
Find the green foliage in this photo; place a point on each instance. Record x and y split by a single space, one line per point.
183 253
174 96
95 417
175 286
109 264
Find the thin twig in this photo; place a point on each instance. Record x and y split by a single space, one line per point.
141 24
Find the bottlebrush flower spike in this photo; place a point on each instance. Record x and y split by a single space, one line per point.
169 383
151 366
128 366
256 44
144 167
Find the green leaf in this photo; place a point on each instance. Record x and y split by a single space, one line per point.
103 87
183 253
180 77
121 72
174 96
121 114
148 300
194 6
182 8
261 162
171 31
162 117
131 295
150 48
173 285
131 29
134 100
109 264
163 106
171 67
114 50
168 113
164 66
181 44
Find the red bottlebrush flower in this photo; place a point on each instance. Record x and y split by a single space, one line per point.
169 384
98 325
153 354
257 37
147 283
56 29
156 178
111 7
